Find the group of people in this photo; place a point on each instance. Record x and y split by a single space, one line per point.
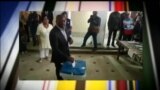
58 38
28 24
48 37
130 27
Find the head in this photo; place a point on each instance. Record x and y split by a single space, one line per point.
45 19
126 15
65 14
61 21
95 13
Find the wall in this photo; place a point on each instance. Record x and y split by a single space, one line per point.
80 24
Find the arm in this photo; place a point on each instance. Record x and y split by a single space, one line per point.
90 19
70 40
99 22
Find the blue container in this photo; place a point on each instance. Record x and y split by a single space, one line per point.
79 69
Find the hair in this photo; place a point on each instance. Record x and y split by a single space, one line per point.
43 16
63 13
59 17
94 11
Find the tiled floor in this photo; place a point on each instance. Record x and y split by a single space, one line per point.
98 67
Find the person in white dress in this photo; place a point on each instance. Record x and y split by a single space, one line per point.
43 31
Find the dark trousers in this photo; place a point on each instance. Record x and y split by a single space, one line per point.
114 32
23 47
120 35
27 32
127 37
58 68
88 34
22 43
33 33
34 40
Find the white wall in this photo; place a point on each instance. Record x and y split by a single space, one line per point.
100 36
80 24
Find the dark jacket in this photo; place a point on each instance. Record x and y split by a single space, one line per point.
114 21
60 48
94 21
33 22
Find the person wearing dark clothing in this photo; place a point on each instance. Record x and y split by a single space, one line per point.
123 15
138 28
27 29
22 38
93 29
113 26
128 25
59 44
33 21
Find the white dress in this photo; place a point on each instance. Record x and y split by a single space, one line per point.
44 35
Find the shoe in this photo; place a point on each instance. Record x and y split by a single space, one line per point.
40 60
107 45
113 45
94 49
83 46
60 78
47 58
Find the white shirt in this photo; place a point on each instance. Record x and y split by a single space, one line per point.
44 35
63 32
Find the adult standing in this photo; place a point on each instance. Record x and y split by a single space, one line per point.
43 31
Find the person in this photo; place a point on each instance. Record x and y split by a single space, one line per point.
93 29
25 23
123 15
128 25
138 28
59 43
49 14
113 26
43 31
68 26
33 21
22 38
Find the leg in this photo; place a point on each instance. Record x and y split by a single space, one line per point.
125 37
113 38
34 40
129 37
120 35
58 68
27 29
22 47
109 37
47 53
119 51
85 38
42 54
94 35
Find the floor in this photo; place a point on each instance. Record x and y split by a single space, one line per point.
99 67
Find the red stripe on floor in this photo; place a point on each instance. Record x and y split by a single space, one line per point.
121 85
44 85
